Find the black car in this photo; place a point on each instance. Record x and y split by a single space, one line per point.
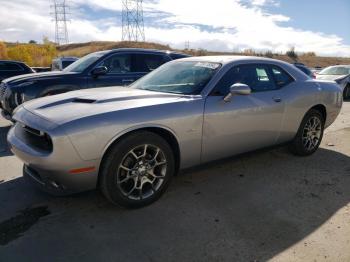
305 69
105 68
13 68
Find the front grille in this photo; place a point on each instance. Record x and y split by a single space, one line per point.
34 138
3 87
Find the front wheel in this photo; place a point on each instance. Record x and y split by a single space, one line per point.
309 135
137 170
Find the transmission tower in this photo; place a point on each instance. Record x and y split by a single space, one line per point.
132 21
60 15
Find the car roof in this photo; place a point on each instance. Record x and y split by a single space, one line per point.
12 61
226 59
340 66
143 50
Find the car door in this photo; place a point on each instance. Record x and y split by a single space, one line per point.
119 71
124 68
247 122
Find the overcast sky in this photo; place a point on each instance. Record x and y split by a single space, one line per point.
321 26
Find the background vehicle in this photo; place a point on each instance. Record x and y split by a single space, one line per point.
13 68
40 69
118 67
130 141
305 69
61 63
339 74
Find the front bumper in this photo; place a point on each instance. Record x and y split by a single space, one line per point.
51 171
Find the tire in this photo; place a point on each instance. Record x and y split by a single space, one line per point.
346 92
127 167
307 142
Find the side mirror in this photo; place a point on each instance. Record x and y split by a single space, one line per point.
99 71
237 89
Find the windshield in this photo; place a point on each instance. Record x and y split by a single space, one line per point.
335 70
84 62
185 77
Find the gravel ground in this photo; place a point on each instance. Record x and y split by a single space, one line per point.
263 206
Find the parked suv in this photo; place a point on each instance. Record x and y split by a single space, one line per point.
61 63
13 68
106 68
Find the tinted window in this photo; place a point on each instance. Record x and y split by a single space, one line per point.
147 62
5 66
118 64
255 76
281 77
66 63
304 69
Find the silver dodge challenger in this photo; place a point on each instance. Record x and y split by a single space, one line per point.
130 141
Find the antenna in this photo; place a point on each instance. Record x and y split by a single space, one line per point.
60 16
132 21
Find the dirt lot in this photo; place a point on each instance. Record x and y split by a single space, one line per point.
264 206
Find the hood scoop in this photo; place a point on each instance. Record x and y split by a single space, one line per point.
83 100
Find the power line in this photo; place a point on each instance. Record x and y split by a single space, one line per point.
60 16
132 21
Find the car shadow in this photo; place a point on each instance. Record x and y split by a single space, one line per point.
248 208
4 150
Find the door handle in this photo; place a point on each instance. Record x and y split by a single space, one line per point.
277 99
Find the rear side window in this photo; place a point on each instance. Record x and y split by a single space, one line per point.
257 77
281 77
147 62
5 66
66 63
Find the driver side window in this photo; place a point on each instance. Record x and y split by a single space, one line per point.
257 77
118 64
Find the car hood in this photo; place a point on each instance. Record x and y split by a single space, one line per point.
330 77
36 76
60 109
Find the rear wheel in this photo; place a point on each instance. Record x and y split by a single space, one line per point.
137 170
309 135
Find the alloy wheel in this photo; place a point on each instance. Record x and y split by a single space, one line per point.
141 172
312 133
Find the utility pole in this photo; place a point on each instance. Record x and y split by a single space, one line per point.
60 15
187 45
132 21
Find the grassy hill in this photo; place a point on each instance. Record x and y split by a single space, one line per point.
41 55
82 49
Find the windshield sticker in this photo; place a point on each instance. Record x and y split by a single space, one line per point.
207 65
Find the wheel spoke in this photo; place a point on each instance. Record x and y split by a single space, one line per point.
151 173
134 155
159 164
145 151
125 168
132 190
